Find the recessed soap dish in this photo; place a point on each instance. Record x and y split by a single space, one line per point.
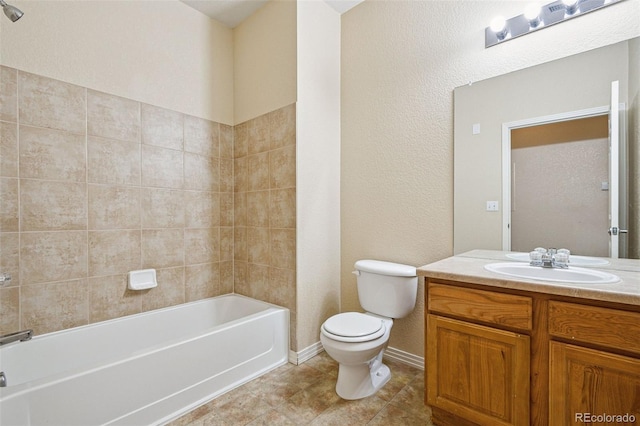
143 279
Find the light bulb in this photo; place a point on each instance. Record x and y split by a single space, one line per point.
498 24
570 6
532 14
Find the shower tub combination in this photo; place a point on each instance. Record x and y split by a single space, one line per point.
142 369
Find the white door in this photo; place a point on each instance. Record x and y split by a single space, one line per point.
614 171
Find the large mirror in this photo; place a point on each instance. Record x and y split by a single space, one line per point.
531 156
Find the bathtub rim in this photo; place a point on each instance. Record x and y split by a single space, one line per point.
10 392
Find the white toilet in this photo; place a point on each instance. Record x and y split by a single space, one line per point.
357 341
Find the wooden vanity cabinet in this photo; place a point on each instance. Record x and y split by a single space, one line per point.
477 359
584 381
506 357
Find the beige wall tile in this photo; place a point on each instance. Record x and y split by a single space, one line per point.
113 162
8 149
52 154
258 171
10 308
162 208
226 209
226 141
226 277
257 281
258 245
113 207
201 136
282 167
161 167
201 173
258 208
282 287
162 127
240 209
201 246
240 243
283 248
145 201
112 117
170 290
259 140
44 102
162 248
282 208
114 252
226 175
282 124
226 244
241 175
9 207
10 257
52 256
8 94
52 205
240 276
204 209
109 298
54 306
241 140
202 281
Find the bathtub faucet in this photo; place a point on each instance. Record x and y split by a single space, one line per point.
23 336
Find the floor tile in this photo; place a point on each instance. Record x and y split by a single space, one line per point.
305 395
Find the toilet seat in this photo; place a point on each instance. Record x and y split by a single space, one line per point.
353 327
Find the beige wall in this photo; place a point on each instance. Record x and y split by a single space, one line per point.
518 96
400 63
318 170
264 61
163 53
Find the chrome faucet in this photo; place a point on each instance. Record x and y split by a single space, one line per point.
23 336
551 258
3 380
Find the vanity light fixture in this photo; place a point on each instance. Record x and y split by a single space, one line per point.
536 17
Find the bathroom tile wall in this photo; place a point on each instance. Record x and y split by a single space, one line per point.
265 209
94 185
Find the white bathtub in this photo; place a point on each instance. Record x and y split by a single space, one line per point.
142 369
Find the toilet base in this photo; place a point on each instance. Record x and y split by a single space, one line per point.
362 380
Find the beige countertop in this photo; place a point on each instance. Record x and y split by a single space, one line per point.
469 267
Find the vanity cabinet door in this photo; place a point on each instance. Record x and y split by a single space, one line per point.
585 383
478 373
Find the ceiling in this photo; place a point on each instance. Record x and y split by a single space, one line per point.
233 12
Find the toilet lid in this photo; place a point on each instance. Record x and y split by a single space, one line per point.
355 326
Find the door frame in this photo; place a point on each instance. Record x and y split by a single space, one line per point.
547 119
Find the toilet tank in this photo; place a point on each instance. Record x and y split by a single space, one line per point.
386 288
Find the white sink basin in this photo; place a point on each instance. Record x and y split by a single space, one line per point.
570 275
573 260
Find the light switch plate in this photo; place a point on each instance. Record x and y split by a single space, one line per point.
492 206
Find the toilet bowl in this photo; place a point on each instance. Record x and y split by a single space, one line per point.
357 340
358 351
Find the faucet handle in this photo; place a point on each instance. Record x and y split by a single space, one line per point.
4 279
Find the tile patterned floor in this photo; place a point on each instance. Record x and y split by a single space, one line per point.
305 395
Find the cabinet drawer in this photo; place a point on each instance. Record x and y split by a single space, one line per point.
481 305
590 324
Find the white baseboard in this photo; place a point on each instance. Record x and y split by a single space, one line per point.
391 353
305 354
404 357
